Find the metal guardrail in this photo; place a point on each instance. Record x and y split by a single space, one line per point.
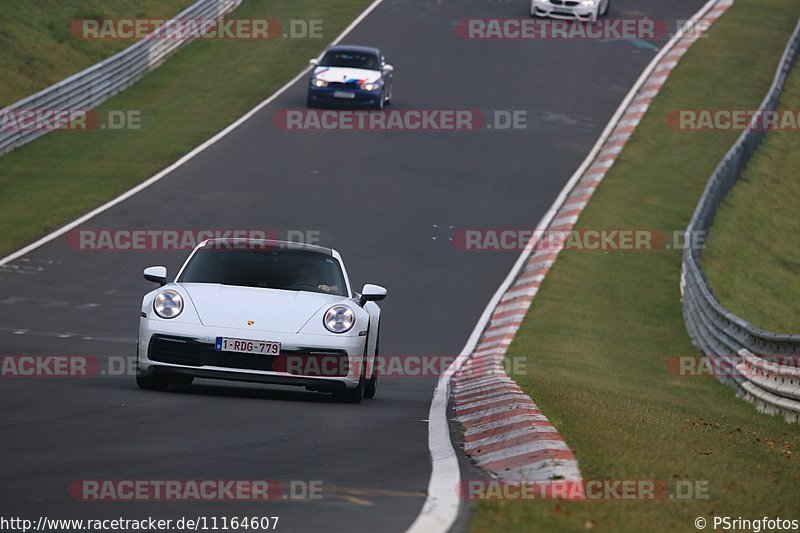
742 354
88 88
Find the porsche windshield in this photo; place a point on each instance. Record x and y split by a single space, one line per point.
350 60
292 270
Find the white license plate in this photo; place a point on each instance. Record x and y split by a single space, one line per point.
343 94
226 344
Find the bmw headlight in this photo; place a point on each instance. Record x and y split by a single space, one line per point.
316 82
587 3
370 85
168 304
339 319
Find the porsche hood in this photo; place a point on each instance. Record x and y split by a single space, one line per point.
256 309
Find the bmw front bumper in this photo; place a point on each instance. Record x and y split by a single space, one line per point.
326 96
564 9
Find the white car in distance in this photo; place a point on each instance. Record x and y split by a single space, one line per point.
581 10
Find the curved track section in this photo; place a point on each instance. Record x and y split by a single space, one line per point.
387 201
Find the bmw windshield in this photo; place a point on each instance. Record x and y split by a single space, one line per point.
345 59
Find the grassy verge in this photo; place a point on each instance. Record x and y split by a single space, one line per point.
37 50
202 88
603 326
753 254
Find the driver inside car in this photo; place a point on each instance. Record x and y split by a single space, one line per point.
307 276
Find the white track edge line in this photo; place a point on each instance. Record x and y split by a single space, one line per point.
441 506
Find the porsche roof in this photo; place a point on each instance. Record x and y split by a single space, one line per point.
267 243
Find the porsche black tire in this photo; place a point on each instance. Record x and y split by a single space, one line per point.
351 395
371 387
180 380
357 394
152 382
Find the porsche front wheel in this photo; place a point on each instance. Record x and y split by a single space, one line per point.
371 387
152 382
353 395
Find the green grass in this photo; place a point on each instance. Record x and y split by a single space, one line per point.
753 254
195 94
603 326
37 50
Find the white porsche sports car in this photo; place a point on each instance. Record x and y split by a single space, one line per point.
589 10
260 311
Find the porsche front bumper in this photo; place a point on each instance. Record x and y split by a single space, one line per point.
318 362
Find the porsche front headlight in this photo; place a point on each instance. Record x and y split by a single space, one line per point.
339 319
168 304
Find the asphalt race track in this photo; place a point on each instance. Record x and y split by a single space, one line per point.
387 202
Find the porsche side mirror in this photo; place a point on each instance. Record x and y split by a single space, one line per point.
156 274
371 293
